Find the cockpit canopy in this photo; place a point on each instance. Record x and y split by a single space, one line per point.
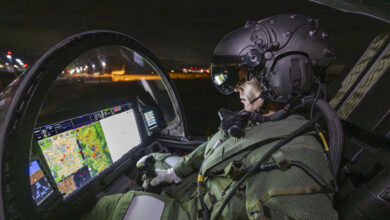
102 78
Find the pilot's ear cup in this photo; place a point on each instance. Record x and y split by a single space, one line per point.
290 77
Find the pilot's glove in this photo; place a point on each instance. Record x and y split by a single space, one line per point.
166 176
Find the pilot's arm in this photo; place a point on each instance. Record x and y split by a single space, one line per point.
190 163
184 167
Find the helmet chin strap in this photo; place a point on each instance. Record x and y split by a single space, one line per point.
258 117
257 98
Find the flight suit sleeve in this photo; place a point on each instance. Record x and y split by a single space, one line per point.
190 163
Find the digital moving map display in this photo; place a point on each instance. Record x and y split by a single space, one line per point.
78 149
40 187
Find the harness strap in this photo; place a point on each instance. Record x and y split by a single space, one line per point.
290 191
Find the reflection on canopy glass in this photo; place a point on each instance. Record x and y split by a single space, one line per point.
107 74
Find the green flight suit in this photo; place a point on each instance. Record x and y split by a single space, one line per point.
285 193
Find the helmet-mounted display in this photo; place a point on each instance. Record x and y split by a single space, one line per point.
284 52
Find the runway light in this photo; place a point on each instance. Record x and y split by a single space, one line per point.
19 61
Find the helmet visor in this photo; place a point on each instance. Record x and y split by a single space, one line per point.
224 77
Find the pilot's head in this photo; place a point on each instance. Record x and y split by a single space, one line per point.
249 91
272 59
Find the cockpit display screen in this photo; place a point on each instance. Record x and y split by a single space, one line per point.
40 187
151 120
78 149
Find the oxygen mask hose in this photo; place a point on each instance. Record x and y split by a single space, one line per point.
335 136
233 123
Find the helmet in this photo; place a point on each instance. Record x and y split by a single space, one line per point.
284 52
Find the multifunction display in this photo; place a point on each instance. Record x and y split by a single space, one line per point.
40 187
150 119
78 149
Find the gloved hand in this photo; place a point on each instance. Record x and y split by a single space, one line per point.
166 176
141 162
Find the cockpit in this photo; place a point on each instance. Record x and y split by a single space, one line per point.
101 107
104 109
74 125
113 100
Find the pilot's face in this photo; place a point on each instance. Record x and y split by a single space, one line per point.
249 91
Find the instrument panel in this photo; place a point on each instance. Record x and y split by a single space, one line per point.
77 151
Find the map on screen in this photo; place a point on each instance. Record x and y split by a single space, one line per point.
62 154
78 149
94 147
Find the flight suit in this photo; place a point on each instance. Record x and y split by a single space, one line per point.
287 192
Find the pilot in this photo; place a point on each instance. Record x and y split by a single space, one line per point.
272 64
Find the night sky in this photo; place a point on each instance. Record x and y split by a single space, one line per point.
177 32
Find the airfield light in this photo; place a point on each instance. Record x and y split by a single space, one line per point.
19 61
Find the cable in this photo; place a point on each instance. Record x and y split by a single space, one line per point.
335 134
315 99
